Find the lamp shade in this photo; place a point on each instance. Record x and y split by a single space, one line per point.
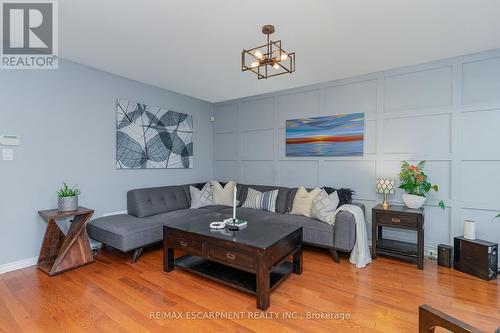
386 186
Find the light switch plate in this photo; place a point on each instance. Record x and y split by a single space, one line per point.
8 154
10 140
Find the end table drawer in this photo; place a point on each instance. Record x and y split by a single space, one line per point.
190 246
231 257
398 220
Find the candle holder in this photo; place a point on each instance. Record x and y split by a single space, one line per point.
233 226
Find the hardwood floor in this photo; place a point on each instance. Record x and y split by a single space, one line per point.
113 295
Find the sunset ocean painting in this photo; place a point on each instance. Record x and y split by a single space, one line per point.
339 135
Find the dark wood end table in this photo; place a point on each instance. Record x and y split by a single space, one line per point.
61 252
398 217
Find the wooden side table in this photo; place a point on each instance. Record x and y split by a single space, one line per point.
398 217
61 252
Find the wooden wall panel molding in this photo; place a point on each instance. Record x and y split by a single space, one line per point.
420 89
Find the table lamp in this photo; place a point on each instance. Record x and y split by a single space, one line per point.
386 186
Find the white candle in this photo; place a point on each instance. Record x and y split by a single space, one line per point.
234 204
470 229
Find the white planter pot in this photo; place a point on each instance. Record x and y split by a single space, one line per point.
413 201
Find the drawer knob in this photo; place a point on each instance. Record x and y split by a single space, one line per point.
396 220
230 256
184 244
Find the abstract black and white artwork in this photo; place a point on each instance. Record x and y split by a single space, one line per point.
151 137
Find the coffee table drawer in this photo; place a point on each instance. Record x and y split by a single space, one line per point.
231 257
190 246
398 220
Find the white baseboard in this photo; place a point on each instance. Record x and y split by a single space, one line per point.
12 266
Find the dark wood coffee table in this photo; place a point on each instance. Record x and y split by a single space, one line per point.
253 259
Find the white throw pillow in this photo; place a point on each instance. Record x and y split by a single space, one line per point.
302 203
223 195
201 198
261 200
324 206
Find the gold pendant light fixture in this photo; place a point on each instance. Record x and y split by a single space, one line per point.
268 60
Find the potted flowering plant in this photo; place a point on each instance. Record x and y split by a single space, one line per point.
416 185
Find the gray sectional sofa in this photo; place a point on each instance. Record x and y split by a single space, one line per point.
151 208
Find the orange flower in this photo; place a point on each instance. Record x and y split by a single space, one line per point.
419 178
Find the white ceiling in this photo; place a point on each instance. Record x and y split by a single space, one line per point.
194 46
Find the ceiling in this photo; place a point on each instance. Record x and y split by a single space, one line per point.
194 47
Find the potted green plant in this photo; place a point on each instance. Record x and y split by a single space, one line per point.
67 198
416 184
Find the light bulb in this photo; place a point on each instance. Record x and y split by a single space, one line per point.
258 54
276 66
255 64
284 56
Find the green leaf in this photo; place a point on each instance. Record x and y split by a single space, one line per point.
441 205
406 187
67 191
435 188
497 215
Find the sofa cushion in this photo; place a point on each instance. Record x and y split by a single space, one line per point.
303 201
213 208
156 200
341 236
200 186
205 217
314 231
324 206
125 232
280 200
223 195
289 199
344 194
176 216
248 214
261 200
201 198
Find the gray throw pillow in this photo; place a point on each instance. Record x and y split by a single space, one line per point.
201 198
261 200
324 207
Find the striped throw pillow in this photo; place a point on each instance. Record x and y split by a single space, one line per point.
261 200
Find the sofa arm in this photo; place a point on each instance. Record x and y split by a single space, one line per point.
344 233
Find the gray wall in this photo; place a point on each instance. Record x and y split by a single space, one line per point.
446 112
66 120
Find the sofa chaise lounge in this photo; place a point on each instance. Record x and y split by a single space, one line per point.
151 208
